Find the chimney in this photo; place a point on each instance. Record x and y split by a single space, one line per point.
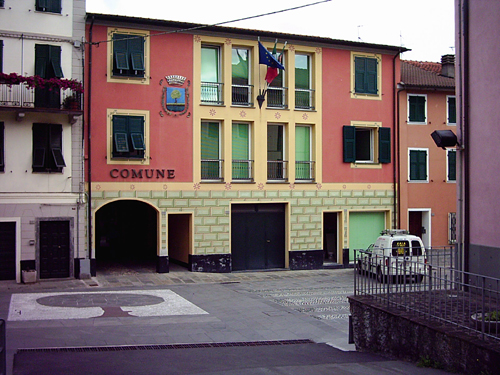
448 66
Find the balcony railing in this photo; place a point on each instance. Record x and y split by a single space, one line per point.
22 96
304 170
277 170
211 93
242 170
242 95
304 99
211 169
276 97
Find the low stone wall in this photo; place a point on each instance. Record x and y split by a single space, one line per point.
398 335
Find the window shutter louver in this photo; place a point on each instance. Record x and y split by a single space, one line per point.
120 135
55 59
384 142
136 129
359 74
371 76
42 56
349 133
452 165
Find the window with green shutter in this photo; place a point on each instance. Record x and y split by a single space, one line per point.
452 165
128 137
211 164
417 108
303 162
360 144
1 56
48 65
365 75
47 148
241 167
51 6
452 110
128 55
418 165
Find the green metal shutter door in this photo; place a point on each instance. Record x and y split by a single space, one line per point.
364 228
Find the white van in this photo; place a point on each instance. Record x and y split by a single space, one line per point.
395 254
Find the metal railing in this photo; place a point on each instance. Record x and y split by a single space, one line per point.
276 97
242 170
304 170
242 95
304 99
277 170
211 169
22 96
469 302
211 93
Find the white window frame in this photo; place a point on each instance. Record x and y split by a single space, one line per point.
373 132
448 110
426 166
408 110
448 166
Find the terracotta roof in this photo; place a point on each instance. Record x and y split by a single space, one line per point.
420 74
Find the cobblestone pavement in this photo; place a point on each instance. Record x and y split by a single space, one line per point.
138 309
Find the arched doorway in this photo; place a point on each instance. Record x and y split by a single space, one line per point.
126 236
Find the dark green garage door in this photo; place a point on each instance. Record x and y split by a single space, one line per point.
7 250
257 236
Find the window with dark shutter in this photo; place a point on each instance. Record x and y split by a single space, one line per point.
365 75
452 110
128 55
384 145
349 133
452 165
417 108
128 137
1 56
47 148
418 165
48 65
50 6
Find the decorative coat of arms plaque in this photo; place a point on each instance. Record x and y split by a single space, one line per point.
175 97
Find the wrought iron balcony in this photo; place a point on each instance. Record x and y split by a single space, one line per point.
277 170
242 170
304 170
211 169
51 100
304 99
242 95
211 93
276 97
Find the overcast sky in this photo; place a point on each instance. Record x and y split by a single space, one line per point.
424 26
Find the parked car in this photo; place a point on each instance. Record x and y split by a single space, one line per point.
395 255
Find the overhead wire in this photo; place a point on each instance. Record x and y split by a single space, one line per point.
218 23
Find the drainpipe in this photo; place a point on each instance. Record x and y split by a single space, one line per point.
89 151
395 143
464 194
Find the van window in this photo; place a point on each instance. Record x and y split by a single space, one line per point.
400 248
416 248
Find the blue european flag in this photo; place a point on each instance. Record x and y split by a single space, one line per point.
266 58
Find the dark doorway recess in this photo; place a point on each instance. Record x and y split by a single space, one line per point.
330 236
257 236
54 249
126 236
415 223
7 250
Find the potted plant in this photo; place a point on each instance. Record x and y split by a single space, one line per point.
491 321
70 102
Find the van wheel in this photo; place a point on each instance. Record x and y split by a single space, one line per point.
380 276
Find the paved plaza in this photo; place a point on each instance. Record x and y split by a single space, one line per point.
139 322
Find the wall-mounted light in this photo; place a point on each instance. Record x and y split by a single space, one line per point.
444 138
